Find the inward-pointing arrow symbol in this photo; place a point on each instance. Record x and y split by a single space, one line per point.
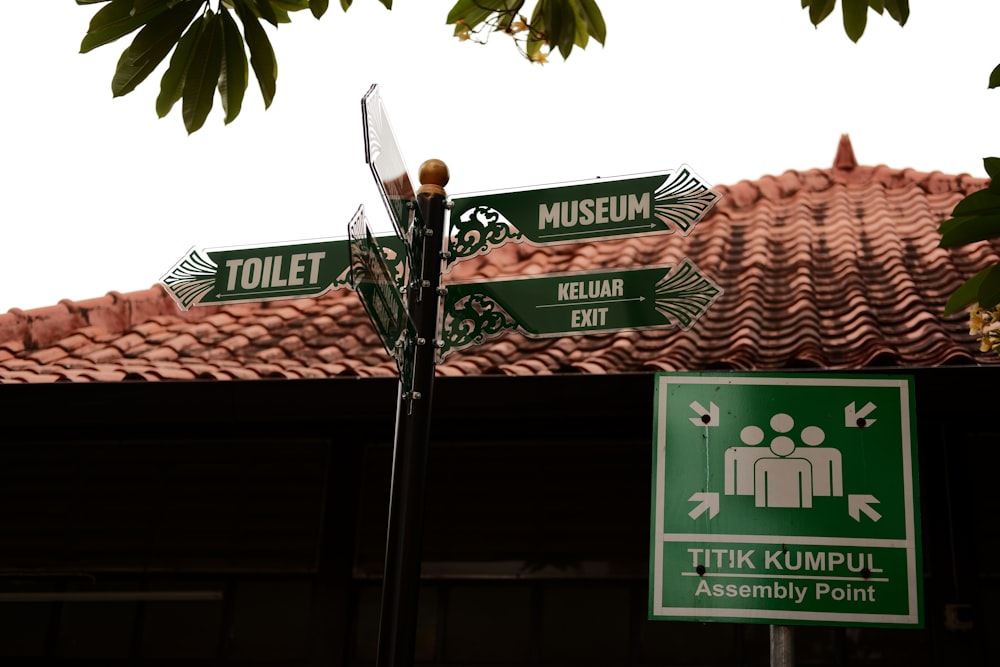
712 414
706 501
857 419
858 503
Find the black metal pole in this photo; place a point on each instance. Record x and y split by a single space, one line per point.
401 580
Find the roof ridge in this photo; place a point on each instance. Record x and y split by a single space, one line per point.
748 192
114 313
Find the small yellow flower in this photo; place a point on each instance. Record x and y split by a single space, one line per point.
518 26
540 58
976 320
464 36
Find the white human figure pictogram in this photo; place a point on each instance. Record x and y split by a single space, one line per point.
776 478
739 462
827 468
782 480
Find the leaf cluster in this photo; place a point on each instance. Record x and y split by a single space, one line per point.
554 24
976 218
209 41
209 51
855 13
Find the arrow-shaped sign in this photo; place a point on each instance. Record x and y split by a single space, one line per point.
858 419
576 303
706 501
218 276
669 202
708 417
858 503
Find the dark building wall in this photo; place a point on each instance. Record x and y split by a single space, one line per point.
265 504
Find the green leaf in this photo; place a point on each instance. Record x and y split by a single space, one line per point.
151 46
290 5
967 294
969 229
995 77
951 223
819 10
345 4
877 5
235 74
978 203
591 15
90 2
899 10
266 12
116 20
172 83
203 74
319 7
581 35
474 12
855 18
560 22
992 166
988 294
265 67
387 4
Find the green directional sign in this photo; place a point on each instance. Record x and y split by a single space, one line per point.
787 499
379 289
264 273
670 202
576 303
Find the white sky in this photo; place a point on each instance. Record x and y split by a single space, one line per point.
98 194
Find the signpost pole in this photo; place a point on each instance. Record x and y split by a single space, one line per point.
782 646
401 581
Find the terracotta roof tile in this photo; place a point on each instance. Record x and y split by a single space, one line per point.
158 353
234 343
826 268
272 354
48 355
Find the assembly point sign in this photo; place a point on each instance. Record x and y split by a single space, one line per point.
786 499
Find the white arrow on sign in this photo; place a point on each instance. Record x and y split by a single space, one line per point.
712 413
706 501
858 503
851 417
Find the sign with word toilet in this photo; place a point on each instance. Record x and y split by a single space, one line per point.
785 499
219 276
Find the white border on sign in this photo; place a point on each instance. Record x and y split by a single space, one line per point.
909 543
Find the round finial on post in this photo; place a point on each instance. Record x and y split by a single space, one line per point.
433 177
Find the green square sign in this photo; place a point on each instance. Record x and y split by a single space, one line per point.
787 499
